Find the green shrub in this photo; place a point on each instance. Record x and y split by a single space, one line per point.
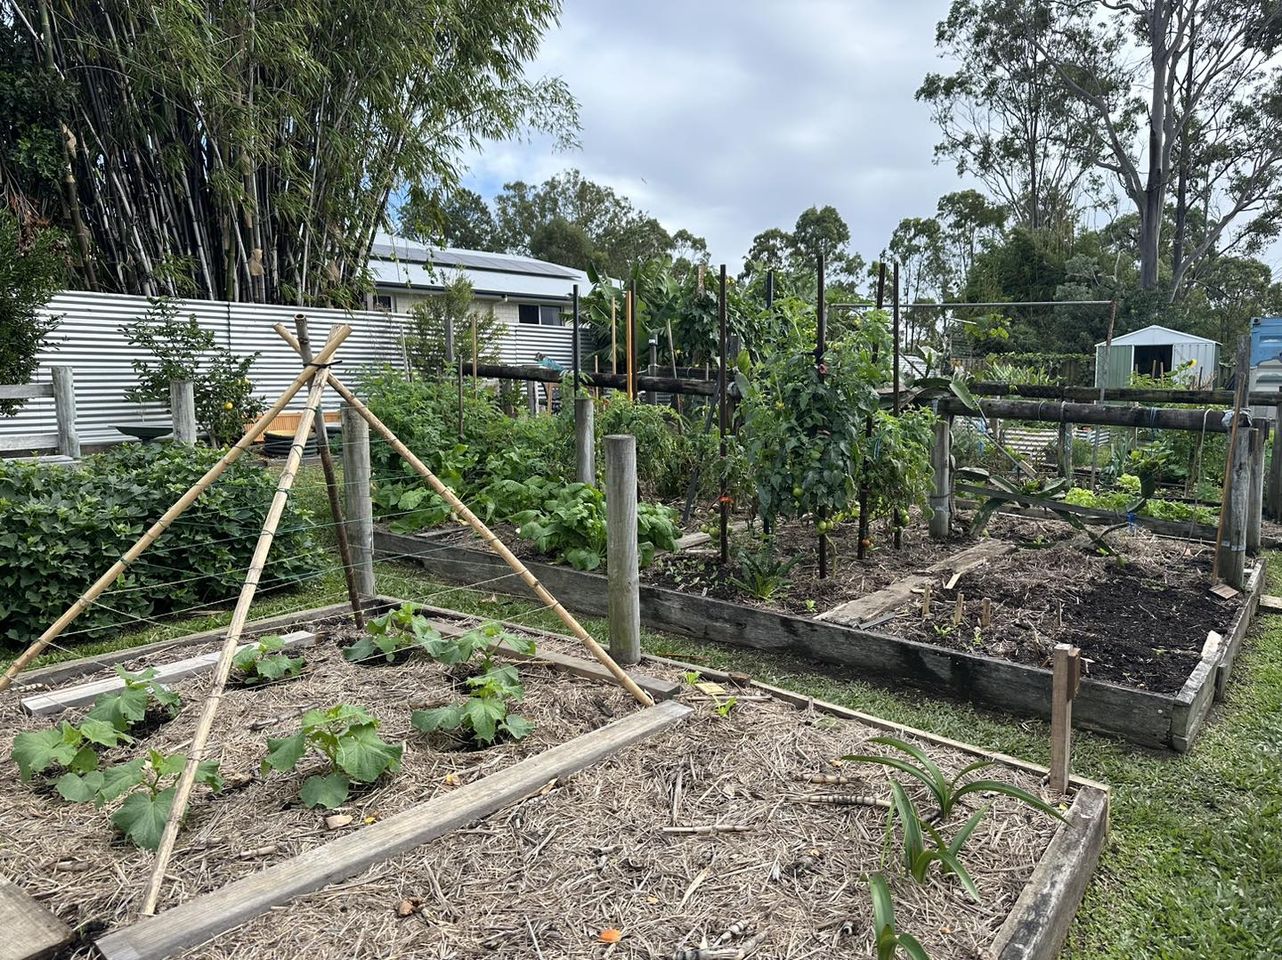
62 527
33 266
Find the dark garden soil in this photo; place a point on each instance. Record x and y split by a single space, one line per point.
1140 619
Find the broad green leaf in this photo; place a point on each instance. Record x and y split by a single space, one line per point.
142 817
167 766
364 756
101 732
79 789
207 773
437 718
483 715
36 750
328 791
120 779
518 728
84 760
284 753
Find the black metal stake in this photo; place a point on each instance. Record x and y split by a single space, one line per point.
899 522
574 389
723 500
862 549
821 346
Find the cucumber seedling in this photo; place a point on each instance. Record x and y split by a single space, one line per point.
141 698
394 632
347 737
148 785
263 662
70 747
485 714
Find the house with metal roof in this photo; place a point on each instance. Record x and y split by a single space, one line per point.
521 290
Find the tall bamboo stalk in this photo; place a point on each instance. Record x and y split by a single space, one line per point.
461 510
336 337
196 752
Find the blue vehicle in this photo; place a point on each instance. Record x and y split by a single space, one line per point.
1266 358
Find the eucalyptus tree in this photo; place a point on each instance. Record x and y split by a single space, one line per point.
248 151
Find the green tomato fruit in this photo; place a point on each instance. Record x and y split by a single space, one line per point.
797 491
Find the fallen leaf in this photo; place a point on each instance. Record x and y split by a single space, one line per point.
452 780
610 935
338 821
408 907
368 820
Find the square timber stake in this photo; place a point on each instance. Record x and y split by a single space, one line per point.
1065 678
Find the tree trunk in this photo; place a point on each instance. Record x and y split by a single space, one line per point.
1155 189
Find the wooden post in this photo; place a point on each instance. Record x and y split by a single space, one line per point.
336 337
862 548
1255 495
182 406
64 407
1065 450
1066 673
629 346
449 341
621 547
897 519
584 450
821 348
331 488
359 499
941 501
196 749
1232 552
532 397
1275 467
486 534
476 383
1224 539
614 338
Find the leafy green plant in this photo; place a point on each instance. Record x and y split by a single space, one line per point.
392 633
142 816
570 524
887 939
57 523
917 855
178 349
485 714
33 267
762 573
130 705
347 737
947 791
263 662
72 747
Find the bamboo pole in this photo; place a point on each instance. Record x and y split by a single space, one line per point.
331 488
472 520
337 336
628 345
200 738
614 339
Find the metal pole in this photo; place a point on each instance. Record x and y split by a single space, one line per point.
621 548
898 518
862 549
575 384
770 289
821 347
723 412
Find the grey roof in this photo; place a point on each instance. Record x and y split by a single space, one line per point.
401 263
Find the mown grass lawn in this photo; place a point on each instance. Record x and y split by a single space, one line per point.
1193 865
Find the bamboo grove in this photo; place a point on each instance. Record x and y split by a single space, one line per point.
247 151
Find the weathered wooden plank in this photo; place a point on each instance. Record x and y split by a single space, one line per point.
208 915
47 704
1140 716
1270 604
1038 923
30 441
57 673
1241 624
891 598
27 930
25 391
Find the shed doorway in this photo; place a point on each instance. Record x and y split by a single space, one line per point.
1153 360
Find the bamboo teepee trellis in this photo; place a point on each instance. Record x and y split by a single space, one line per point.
317 372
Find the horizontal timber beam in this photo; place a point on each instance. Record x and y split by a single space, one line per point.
1050 391
1054 411
619 381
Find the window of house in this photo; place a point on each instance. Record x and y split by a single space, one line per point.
381 301
534 313
527 312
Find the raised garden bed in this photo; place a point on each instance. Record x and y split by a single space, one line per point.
560 855
1169 717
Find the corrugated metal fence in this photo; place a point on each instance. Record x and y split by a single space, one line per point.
88 339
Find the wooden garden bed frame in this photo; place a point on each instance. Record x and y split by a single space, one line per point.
1160 720
1035 929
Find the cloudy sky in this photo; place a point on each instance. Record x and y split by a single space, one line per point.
729 117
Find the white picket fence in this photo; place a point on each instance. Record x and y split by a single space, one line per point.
88 339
